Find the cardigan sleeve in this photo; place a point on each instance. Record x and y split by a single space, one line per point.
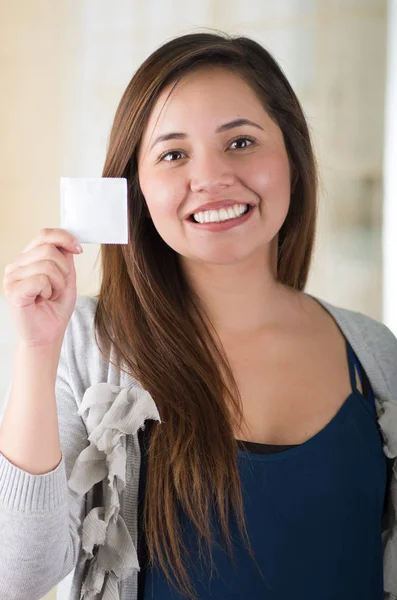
40 516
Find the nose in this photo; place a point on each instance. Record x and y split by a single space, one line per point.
211 174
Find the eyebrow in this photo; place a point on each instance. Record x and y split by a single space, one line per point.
225 127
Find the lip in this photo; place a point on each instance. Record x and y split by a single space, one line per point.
216 206
223 225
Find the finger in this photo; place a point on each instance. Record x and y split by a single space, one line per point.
45 252
43 268
25 291
57 237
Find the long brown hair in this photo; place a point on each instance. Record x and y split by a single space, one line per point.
156 324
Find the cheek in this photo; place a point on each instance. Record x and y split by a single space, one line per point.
162 195
269 177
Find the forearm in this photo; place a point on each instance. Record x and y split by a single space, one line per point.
29 433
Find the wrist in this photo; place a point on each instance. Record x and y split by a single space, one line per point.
42 360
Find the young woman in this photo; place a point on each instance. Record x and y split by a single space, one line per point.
203 421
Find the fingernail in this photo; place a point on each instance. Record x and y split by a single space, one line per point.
78 248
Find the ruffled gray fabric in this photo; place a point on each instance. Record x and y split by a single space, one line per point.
387 419
114 413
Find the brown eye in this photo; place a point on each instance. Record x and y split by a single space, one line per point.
243 140
170 153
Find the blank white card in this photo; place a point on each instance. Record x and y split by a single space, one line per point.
95 210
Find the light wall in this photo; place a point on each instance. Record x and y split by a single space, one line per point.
65 64
390 177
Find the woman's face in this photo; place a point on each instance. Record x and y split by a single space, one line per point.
212 141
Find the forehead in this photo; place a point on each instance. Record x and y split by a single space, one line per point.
213 92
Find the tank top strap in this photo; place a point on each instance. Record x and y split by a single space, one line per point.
354 364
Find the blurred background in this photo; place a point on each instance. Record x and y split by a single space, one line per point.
64 66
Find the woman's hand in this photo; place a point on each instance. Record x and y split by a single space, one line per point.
40 287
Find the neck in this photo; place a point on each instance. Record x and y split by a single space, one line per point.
241 298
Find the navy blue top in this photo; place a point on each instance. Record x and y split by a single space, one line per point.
313 513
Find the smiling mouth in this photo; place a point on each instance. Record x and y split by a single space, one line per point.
193 220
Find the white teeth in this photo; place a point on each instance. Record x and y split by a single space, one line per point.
224 214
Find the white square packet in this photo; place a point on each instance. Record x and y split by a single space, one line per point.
95 210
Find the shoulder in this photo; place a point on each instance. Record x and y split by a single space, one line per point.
81 324
81 359
372 331
80 333
368 336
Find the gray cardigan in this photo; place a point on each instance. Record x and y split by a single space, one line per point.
50 523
